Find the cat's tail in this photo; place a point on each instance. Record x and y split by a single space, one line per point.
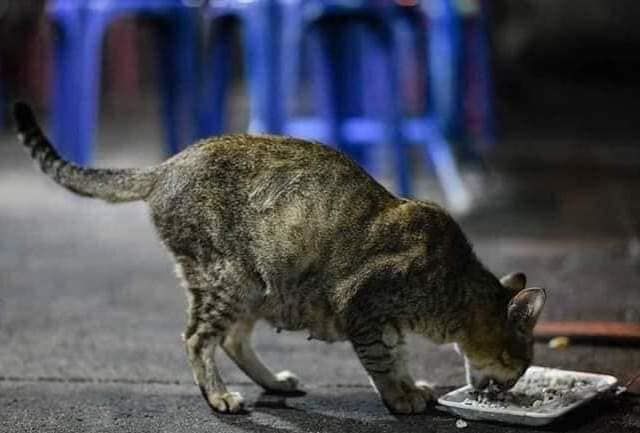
113 185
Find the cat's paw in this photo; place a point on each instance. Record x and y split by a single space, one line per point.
426 390
286 383
228 402
411 400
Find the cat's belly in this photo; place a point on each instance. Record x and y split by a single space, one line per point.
309 314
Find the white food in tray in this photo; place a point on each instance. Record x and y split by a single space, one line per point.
540 396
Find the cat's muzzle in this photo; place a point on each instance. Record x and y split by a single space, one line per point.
490 384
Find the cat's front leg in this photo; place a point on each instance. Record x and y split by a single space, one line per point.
382 352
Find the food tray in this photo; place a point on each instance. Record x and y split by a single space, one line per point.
541 396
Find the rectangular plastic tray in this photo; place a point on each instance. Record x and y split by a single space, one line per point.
543 414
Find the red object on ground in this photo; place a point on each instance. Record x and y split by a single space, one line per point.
604 332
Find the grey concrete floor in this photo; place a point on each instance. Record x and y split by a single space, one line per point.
91 316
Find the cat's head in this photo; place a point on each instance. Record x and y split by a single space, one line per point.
499 349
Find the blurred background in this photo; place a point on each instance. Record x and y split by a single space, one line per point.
493 77
520 116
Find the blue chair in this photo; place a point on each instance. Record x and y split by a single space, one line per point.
480 116
333 38
258 22
460 67
445 63
428 128
82 25
349 117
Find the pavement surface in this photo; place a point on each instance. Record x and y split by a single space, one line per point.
91 315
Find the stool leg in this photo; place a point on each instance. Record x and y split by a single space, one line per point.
303 43
216 79
87 93
67 47
374 98
358 49
261 36
484 96
437 150
399 32
439 153
445 64
179 50
290 57
322 49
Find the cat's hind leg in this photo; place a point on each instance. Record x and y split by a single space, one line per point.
208 323
218 298
382 352
237 344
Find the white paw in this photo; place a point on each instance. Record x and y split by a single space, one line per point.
228 402
286 381
412 399
425 389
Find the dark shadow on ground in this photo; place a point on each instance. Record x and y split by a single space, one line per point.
361 411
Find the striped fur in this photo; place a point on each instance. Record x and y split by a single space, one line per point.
295 233
112 185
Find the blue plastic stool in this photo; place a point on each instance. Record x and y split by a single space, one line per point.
479 91
427 129
82 25
460 68
445 64
338 35
258 21
356 124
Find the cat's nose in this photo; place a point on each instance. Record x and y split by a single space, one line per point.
510 383
503 386
480 383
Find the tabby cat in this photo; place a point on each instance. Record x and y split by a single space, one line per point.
295 233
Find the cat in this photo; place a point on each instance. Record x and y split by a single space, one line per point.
295 233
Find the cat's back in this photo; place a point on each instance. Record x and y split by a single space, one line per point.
264 167
289 194
245 153
250 188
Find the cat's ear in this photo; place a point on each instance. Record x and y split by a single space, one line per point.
525 308
516 281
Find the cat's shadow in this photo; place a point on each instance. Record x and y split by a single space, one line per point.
361 411
353 411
